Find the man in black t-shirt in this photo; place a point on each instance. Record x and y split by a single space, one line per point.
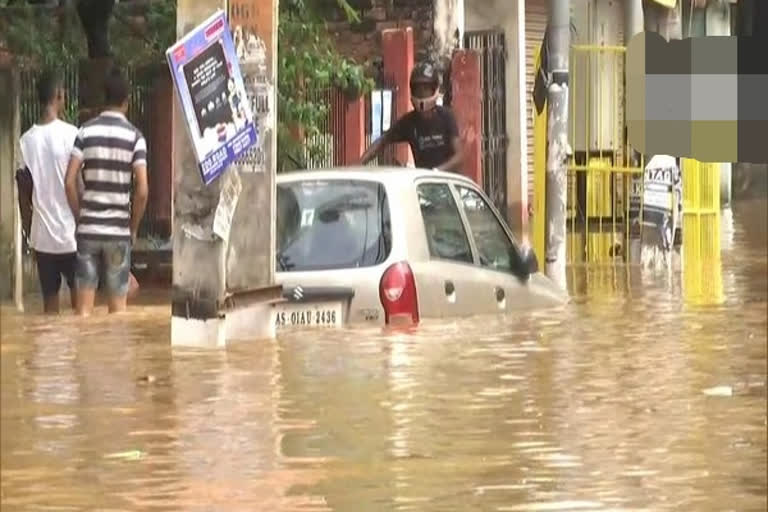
429 129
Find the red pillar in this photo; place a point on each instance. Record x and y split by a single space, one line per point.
467 106
354 130
161 162
348 128
397 50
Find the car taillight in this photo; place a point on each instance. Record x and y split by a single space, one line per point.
397 291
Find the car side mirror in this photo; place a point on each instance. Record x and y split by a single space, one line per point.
527 264
530 262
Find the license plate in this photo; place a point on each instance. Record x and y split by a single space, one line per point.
318 314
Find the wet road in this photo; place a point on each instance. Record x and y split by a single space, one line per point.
627 399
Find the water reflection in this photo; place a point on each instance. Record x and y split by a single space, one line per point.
627 399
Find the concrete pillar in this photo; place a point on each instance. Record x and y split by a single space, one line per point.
467 106
354 130
210 273
397 49
557 147
251 259
10 222
517 92
633 19
199 276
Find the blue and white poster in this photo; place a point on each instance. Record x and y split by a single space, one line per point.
206 72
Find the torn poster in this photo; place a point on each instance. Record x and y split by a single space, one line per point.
225 211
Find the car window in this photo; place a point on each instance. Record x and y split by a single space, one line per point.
494 247
332 224
446 236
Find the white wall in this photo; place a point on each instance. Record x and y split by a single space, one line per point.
509 16
449 16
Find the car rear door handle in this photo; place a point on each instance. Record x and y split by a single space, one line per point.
500 294
449 288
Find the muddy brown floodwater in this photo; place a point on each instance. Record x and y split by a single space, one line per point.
626 399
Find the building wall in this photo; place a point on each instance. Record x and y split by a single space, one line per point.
362 42
509 16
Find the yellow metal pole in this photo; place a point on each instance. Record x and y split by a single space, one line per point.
539 176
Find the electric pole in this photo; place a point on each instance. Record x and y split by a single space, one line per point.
558 149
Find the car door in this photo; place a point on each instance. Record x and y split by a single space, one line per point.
497 254
445 280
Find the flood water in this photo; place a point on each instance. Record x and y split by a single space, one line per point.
626 399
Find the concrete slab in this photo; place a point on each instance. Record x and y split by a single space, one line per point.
194 333
252 323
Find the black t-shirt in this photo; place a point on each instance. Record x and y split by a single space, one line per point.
430 138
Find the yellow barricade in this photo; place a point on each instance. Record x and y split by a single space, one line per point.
702 266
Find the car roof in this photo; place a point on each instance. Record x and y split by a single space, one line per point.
381 174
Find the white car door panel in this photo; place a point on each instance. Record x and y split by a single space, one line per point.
497 255
450 280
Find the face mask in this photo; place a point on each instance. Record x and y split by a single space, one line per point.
424 104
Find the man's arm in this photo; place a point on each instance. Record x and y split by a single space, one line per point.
73 172
456 162
373 151
453 164
140 196
141 187
70 183
392 136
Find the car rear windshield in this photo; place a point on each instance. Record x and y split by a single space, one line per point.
332 224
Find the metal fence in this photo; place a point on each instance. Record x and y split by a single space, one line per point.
139 113
491 46
605 174
30 107
327 147
320 148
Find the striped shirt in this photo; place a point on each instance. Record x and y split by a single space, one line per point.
110 148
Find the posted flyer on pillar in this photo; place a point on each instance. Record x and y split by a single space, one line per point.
209 84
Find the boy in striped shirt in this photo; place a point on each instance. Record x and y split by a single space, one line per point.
112 156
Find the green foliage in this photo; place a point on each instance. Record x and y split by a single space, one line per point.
309 64
40 38
136 45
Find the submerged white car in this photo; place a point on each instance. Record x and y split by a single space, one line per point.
394 246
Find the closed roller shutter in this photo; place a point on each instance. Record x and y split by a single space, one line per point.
536 13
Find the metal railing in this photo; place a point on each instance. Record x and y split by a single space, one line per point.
139 113
491 46
702 268
605 175
327 146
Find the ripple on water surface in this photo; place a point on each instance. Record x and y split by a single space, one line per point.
625 400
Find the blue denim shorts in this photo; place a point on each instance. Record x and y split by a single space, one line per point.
103 262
